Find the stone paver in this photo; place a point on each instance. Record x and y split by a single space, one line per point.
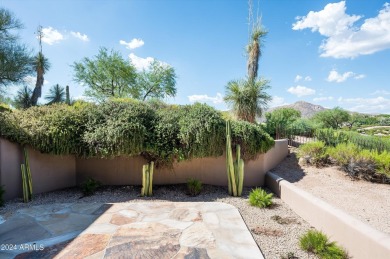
130 230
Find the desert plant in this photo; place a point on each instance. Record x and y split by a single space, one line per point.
26 178
290 255
316 242
343 153
314 153
235 169
2 191
260 198
89 186
147 179
194 186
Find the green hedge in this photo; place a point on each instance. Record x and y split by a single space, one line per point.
161 133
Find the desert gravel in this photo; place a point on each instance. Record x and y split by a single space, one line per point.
274 239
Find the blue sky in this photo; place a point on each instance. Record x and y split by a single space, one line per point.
331 53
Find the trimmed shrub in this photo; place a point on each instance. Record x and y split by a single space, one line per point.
260 198
318 243
194 187
313 153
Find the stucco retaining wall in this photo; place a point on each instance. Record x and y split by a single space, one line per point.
361 240
48 172
210 170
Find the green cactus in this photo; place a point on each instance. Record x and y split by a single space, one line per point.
147 179
235 169
26 178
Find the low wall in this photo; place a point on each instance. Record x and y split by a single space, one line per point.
210 170
360 240
48 172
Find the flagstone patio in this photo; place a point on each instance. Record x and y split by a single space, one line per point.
128 230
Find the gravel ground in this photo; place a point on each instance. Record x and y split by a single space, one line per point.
364 200
274 239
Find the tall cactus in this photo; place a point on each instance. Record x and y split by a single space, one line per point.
147 179
26 178
235 169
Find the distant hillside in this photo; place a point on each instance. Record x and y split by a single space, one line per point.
307 109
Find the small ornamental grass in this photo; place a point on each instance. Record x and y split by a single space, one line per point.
318 243
89 186
260 198
194 187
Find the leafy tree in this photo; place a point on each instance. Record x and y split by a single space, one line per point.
280 120
41 66
156 82
106 75
56 94
23 98
334 118
15 59
248 98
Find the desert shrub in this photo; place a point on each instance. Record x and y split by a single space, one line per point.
194 187
343 153
314 153
260 198
316 242
2 191
89 186
303 127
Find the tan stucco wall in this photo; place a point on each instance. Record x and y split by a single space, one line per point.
50 172
212 170
10 174
360 240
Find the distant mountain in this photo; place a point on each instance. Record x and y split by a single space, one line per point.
307 109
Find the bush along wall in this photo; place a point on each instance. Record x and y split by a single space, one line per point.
123 127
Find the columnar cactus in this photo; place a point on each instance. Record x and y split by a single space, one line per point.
235 169
26 178
147 179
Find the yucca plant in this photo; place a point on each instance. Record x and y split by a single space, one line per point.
260 198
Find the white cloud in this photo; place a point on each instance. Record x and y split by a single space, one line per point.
298 78
205 98
140 63
80 36
323 98
334 76
343 38
51 36
277 101
380 92
301 91
367 105
133 44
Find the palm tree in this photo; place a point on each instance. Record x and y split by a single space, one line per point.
41 65
254 49
23 98
247 98
56 95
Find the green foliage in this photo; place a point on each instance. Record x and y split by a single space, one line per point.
235 169
161 133
280 120
23 98
106 75
247 98
2 191
194 187
334 118
303 127
316 242
313 152
157 82
15 59
147 179
260 198
343 153
26 178
89 186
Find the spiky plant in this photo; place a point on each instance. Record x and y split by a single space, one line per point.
23 98
260 198
247 98
253 49
56 95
